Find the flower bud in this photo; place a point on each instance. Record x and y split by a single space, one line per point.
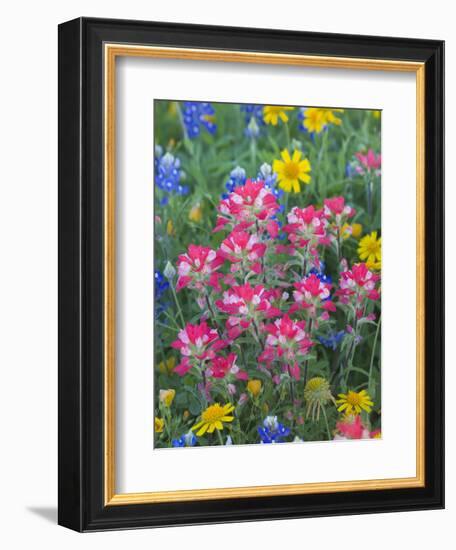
169 272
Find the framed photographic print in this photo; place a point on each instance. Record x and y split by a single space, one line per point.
250 274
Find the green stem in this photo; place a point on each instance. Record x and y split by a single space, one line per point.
287 133
326 422
220 438
371 366
253 154
179 310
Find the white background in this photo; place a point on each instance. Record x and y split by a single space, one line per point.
139 467
28 286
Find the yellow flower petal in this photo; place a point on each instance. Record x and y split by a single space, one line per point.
227 418
203 430
285 155
218 425
285 185
278 166
296 155
305 165
211 428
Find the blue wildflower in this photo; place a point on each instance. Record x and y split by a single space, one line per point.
160 284
186 440
332 340
160 287
320 273
237 177
270 180
272 430
168 174
253 119
197 115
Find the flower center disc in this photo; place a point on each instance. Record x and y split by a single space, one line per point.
213 413
291 170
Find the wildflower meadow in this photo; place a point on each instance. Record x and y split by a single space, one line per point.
267 274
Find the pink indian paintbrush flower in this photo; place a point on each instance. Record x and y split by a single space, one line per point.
306 225
369 162
337 213
314 295
247 205
245 304
288 341
351 428
198 341
220 367
358 283
243 250
198 268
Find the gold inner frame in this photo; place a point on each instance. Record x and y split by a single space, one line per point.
111 52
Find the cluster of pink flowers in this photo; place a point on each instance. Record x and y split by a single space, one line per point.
243 249
243 287
353 428
198 267
368 163
249 204
288 341
245 305
358 283
197 343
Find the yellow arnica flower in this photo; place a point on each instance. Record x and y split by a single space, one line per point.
315 119
167 366
166 397
370 250
196 213
159 424
354 402
254 387
272 113
213 417
353 230
291 171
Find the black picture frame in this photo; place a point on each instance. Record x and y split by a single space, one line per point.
81 473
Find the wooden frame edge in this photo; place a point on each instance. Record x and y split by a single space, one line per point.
110 53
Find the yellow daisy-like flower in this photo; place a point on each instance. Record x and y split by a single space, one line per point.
272 113
376 114
159 424
315 119
354 402
377 265
291 170
370 250
254 387
213 417
196 213
166 397
167 366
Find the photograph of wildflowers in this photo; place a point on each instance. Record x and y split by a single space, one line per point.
267 274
